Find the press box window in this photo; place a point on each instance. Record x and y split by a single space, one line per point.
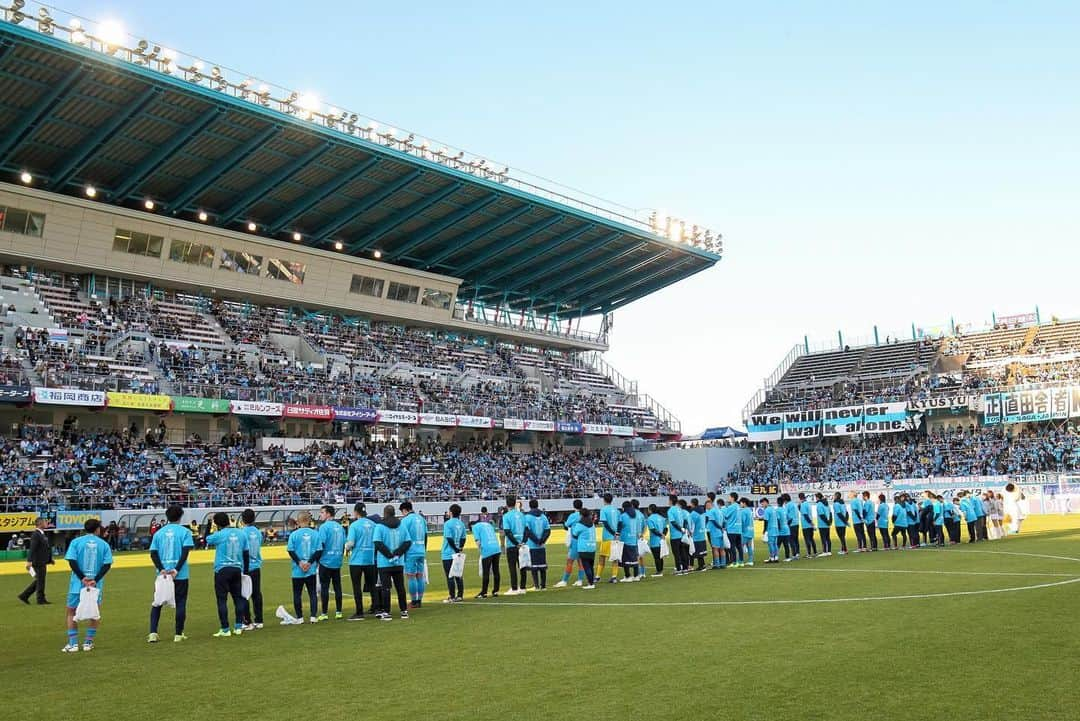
240 262
23 222
363 285
403 293
436 299
181 251
136 243
285 270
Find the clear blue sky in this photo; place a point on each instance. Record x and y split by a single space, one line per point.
868 162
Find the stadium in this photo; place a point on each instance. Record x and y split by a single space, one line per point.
326 371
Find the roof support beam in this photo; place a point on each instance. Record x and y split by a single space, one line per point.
320 194
590 267
33 116
108 130
461 240
653 287
563 260
154 160
607 278
271 182
402 216
365 204
204 180
501 246
432 229
636 283
519 260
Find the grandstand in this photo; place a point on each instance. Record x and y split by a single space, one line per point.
191 260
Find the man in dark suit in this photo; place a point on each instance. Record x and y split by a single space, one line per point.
39 558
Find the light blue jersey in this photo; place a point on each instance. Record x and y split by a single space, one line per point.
362 537
609 522
417 528
841 517
781 522
304 543
657 525
332 543
254 539
746 521
229 545
584 538
792 514
392 538
675 523
91 553
170 542
538 525
714 522
697 518
632 527
899 516
856 507
772 524
732 522
453 532
513 527
824 515
486 538
883 515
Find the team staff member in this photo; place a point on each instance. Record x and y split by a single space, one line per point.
584 535
537 533
824 524
231 561
793 525
417 528
870 518
806 522
254 536
697 521
488 543
362 571
882 521
772 530
631 529
841 519
304 550
746 517
899 520
453 543
571 552
392 543
783 533
609 529
38 559
90 559
714 520
657 525
858 522
513 528
733 524
332 543
169 549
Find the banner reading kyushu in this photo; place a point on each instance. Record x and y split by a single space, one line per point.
941 403
355 415
256 408
70 397
311 413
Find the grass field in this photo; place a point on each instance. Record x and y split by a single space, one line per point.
984 632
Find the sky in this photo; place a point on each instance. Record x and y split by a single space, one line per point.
868 163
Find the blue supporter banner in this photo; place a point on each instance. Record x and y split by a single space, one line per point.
870 418
568 427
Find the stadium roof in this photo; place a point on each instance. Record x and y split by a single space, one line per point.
139 124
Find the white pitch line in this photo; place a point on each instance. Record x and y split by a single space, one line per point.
943 573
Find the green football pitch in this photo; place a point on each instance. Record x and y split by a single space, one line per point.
984 631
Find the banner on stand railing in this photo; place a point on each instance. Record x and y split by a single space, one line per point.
402 417
355 415
256 408
69 397
941 403
475 422
1031 406
870 418
307 412
573 427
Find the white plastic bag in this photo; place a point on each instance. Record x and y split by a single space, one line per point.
689 541
164 591
642 547
245 586
727 541
87 610
457 566
524 557
765 536
616 550
426 580
665 549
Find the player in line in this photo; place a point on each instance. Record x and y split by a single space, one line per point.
90 559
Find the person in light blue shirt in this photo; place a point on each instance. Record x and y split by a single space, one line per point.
537 533
937 516
806 525
783 531
571 552
980 512
584 535
858 522
676 529
870 519
824 524
900 522
658 526
231 559
882 521
90 559
631 529
792 509
952 520
392 544
841 520
609 530
304 551
488 543
513 528
701 533
416 558
254 536
714 523
332 542
971 517
360 543
746 521
912 509
453 543
733 526
169 549
772 530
